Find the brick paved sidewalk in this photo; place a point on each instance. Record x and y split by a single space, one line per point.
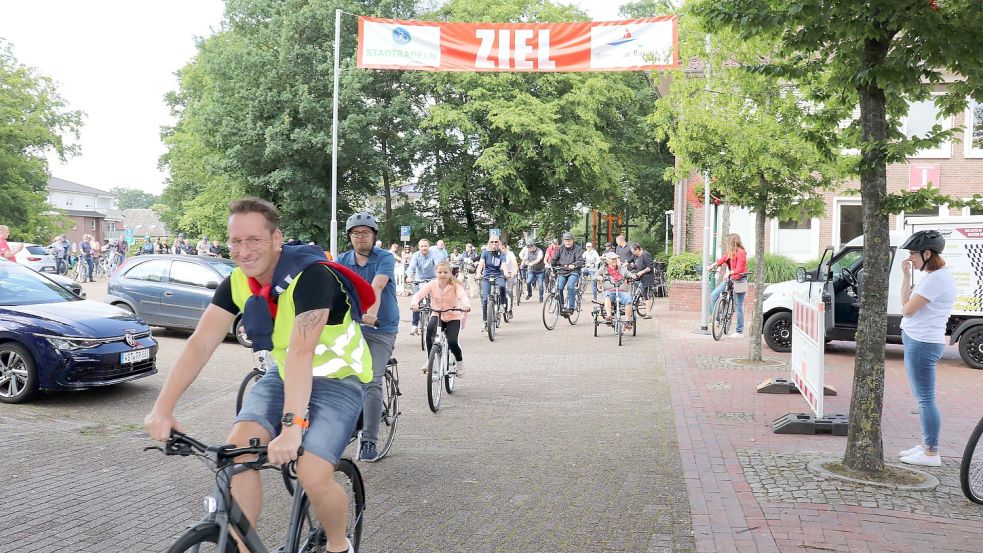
749 488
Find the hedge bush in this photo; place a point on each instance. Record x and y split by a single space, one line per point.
683 266
778 268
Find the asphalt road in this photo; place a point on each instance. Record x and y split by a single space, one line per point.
554 441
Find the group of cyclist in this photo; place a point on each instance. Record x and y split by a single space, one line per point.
338 321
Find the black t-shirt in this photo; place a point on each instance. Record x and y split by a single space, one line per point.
316 288
644 261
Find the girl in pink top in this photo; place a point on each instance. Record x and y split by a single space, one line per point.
445 292
736 260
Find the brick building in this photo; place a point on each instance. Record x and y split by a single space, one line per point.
955 167
90 208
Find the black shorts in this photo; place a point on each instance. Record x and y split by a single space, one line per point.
455 271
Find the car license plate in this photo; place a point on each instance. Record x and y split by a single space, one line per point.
134 356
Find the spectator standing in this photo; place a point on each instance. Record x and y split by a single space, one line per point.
645 272
551 249
5 250
202 247
592 262
60 248
622 248
736 259
148 246
925 309
215 250
88 254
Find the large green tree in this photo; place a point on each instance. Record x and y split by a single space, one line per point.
34 120
132 198
880 54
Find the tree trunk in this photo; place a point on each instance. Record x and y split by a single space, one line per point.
469 215
754 353
865 448
724 226
387 193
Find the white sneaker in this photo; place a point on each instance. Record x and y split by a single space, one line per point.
736 335
923 459
459 368
912 451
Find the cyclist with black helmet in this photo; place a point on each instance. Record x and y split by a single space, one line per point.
925 309
377 266
568 260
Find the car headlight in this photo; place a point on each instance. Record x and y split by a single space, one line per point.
766 295
70 344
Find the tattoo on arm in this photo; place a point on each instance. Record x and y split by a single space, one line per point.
311 321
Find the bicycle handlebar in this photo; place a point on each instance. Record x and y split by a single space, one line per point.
439 311
181 444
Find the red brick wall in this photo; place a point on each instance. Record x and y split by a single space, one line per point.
685 296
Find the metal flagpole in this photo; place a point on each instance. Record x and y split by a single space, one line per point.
705 284
334 136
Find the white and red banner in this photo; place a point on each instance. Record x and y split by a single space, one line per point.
808 350
631 45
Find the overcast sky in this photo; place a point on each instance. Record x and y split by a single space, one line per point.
115 60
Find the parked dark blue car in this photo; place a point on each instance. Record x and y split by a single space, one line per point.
171 291
50 339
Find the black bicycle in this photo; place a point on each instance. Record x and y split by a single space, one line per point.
390 405
971 467
494 312
304 531
424 317
723 312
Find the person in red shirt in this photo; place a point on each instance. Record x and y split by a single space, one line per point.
736 261
6 251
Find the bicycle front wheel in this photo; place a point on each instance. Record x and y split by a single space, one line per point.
551 312
718 318
575 316
202 538
491 319
390 410
247 383
971 468
434 376
309 536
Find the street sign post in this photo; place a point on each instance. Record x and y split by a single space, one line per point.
128 236
404 233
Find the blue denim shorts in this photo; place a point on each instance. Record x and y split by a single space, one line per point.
334 410
624 298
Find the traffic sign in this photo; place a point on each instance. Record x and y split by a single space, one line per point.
494 233
404 233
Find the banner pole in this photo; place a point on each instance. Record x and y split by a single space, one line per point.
334 136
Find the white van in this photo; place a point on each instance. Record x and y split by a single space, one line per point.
842 283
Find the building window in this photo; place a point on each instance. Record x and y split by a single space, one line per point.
851 221
75 225
973 137
68 201
803 222
112 226
922 116
92 224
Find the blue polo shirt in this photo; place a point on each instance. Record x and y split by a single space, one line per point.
381 262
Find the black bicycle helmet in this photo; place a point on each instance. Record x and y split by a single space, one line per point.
361 219
925 240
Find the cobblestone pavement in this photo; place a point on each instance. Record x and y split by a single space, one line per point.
749 488
554 441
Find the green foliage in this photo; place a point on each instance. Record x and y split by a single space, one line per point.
131 198
34 120
778 268
684 266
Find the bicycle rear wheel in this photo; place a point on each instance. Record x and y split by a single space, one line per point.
202 538
310 537
551 312
971 467
390 410
450 378
718 318
247 383
434 376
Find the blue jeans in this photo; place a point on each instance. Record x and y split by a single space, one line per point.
920 359
486 289
570 283
589 275
60 265
537 278
89 264
738 303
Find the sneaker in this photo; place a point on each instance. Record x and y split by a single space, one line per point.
923 459
529 296
736 335
540 300
415 331
459 369
627 327
368 452
918 448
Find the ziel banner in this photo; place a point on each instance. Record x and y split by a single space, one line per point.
631 45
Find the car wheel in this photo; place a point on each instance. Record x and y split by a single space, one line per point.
125 307
778 332
240 333
18 375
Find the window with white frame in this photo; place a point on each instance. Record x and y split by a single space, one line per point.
112 226
922 116
973 135
92 224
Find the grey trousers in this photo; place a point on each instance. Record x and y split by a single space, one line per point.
381 347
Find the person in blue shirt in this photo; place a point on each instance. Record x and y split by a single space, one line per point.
422 268
492 265
441 251
381 321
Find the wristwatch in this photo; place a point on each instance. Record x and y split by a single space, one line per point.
289 419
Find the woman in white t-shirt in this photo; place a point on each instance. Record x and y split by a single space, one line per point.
926 311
